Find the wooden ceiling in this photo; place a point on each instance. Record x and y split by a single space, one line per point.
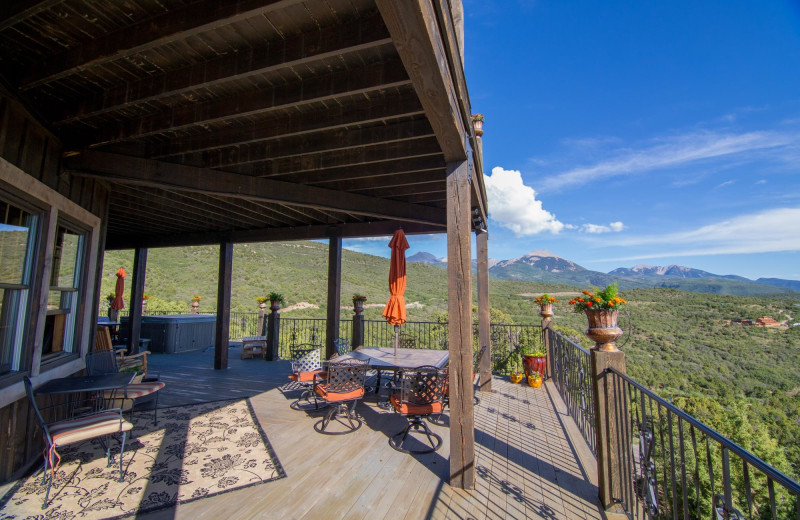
248 120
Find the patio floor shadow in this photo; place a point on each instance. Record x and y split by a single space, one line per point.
531 460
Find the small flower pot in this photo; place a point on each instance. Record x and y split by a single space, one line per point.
515 377
535 382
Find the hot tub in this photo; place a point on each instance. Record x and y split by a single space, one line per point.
178 333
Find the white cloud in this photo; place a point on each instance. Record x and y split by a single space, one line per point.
513 205
769 231
761 181
672 152
614 227
722 185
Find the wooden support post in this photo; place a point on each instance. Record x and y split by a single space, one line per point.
484 316
334 294
222 333
547 320
273 334
135 304
358 331
459 285
609 410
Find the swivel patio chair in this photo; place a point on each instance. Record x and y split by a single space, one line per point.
421 393
306 365
476 379
76 429
344 384
105 362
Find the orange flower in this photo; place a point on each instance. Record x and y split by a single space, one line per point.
611 303
587 293
589 304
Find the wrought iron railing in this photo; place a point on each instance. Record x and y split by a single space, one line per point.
572 376
674 466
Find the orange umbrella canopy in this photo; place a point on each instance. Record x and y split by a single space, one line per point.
118 302
395 310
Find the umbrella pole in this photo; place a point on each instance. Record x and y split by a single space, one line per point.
396 338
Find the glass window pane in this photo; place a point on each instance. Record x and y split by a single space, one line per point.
15 231
65 258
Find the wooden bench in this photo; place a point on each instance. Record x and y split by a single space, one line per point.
254 346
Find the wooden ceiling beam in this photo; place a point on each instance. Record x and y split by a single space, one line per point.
415 32
372 77
339 140
391 181
172 25
424 147
134 170
348 230
296 51
340 116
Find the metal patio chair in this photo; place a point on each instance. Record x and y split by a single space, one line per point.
421 394
76 429
344 384
306 365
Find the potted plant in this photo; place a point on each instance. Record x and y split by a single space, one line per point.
275 300
546 302
358 303
535 379
601 308
534 358
516 368
196 303
477 123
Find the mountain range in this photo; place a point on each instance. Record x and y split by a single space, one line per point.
543 266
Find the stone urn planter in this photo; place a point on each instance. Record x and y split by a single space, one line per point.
603 329
358 303
546 311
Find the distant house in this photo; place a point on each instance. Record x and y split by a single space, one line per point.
766 321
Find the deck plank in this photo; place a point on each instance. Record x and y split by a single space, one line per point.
531 460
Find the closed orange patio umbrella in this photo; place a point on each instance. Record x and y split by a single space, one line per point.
395 310
118 302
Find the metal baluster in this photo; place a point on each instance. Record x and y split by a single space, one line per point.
710 469
674 483
747 488
696 471
726 482
684 491
771 488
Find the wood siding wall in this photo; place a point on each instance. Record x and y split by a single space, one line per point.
28 146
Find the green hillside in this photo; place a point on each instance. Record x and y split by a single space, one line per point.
677 343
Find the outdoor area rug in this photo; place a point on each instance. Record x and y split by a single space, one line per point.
196 451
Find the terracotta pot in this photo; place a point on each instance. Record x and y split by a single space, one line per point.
603 328
531 364
515 377
535 382
195 307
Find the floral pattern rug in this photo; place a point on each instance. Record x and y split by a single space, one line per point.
195 452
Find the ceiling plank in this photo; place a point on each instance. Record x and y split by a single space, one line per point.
172 25
147 172
372 77
297 51
415 32
362 172
14 11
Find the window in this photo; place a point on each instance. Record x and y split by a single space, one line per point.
64 294
18 230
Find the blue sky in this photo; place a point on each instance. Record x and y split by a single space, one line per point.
620 133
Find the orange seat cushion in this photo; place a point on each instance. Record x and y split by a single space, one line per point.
411 409
304 377
331 397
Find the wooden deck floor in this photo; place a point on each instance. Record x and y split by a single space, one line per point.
531 459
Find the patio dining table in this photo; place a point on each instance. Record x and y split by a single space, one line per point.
384 359
96 386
